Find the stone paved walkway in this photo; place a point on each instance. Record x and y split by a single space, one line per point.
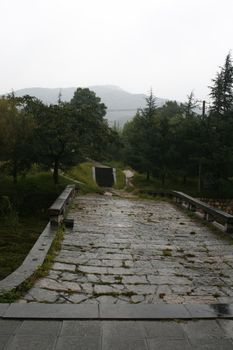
116 335
137 251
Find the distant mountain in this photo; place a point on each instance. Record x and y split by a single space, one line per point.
122 105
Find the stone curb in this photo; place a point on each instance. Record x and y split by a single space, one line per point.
34 259
115 312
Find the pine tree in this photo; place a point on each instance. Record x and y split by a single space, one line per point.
140 137
227 73
222 91
150 109
189 106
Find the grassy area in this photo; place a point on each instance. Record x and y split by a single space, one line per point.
23 216
140 182
32 194
42 271
222 190
120 179
16 241
83 173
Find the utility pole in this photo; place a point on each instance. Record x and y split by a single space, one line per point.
59 97
199 175
203 108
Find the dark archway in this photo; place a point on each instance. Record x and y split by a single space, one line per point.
104 176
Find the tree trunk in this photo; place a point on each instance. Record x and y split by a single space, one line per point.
55 171
199 175
148 175
163 179
184 179
15 174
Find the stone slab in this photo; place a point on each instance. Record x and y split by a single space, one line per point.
152 311
91 329
119 311
64 267
8 326
123 329
52 311
207 334
48 328
210 310
202 329
169 344
3 308
75 343
29 342
4 339
41 295
163 330
124 344
116 335
217 344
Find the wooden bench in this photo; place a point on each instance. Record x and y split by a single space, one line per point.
58 209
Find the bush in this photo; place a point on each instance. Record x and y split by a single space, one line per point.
32 194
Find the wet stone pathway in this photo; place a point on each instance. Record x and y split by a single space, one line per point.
116 335
137 251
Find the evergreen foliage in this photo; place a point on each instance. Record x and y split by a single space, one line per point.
55 136
221 93
172 140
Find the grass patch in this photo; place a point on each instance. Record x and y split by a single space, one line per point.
119 279
220 189
16 241
83 173
173 183
42 271
23 215
216 295
120 176
179 275
189 255
33 194
144 195
180 250
162 295
120 179
124 265
115 294
167 252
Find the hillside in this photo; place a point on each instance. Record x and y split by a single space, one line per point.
122 105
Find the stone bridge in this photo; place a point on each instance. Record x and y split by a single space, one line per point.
137 251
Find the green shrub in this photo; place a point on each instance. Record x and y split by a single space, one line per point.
83 173
32 194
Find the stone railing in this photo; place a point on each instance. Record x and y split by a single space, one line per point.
58 209
195 205
224 204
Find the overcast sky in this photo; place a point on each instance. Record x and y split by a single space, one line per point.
173 46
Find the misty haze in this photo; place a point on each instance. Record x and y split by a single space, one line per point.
116 175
